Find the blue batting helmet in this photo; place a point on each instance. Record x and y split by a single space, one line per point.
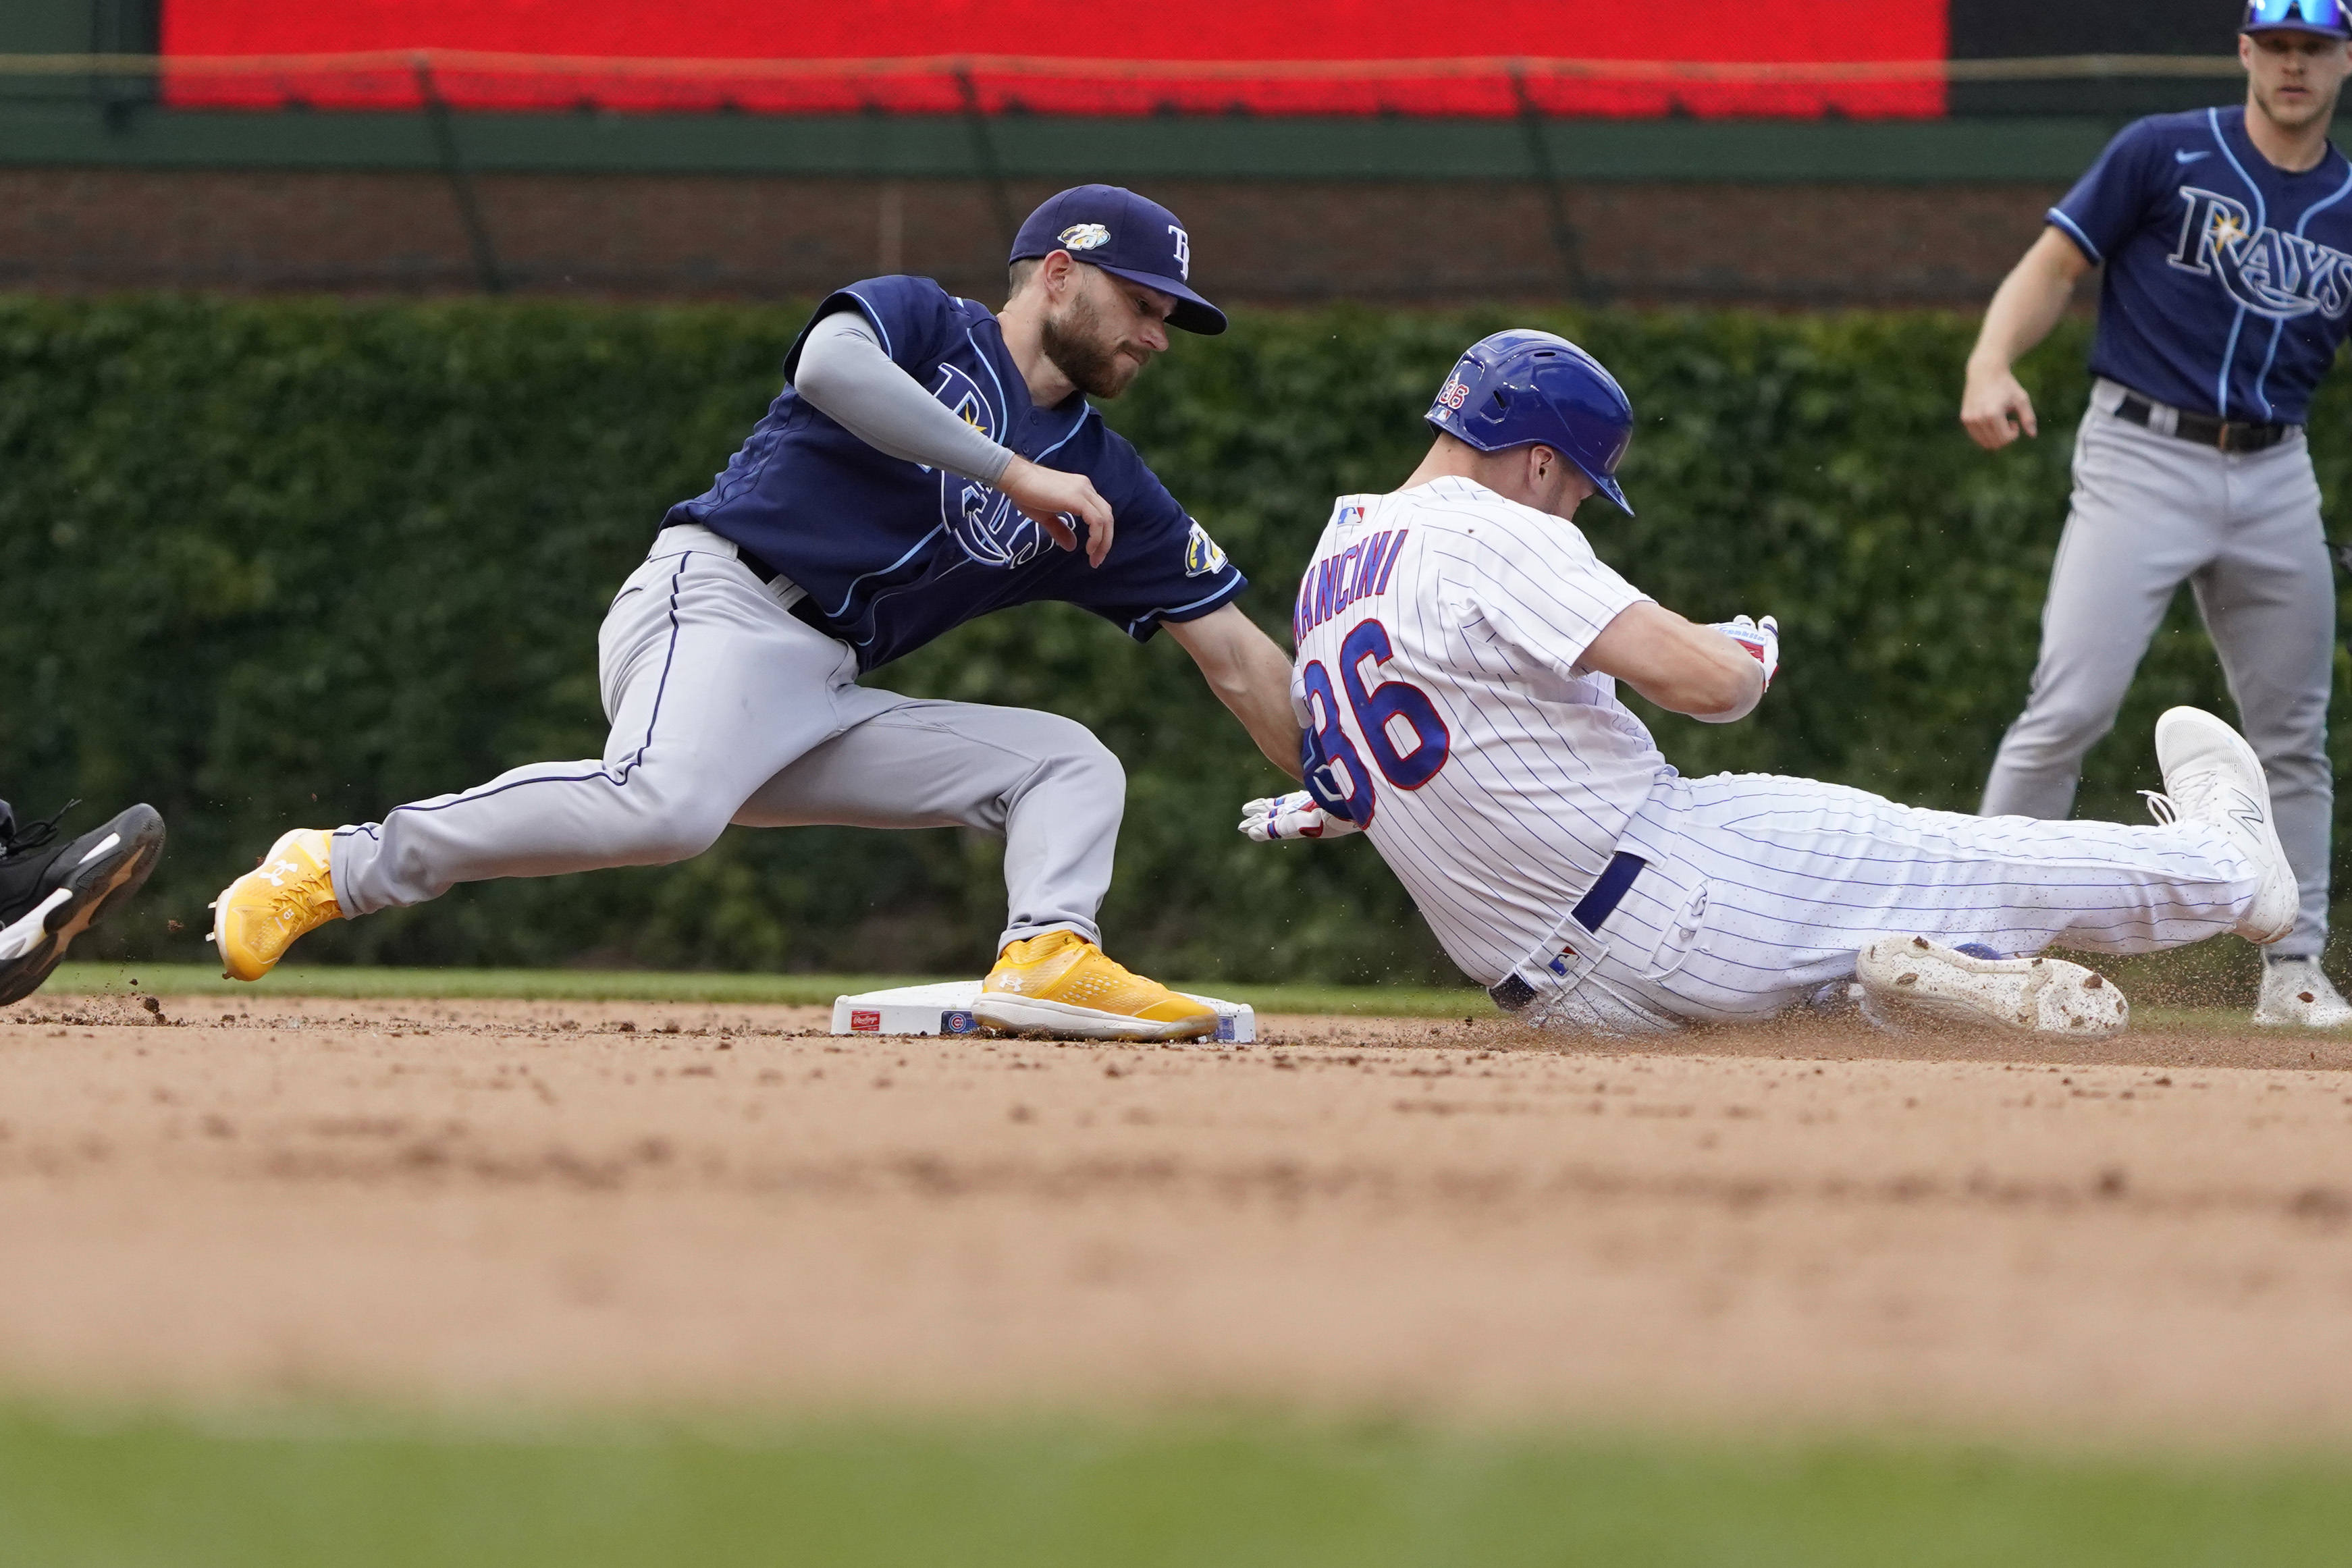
1521 387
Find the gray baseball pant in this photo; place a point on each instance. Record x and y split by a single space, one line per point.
2242 530
727 708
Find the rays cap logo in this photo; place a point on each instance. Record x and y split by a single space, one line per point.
1128 236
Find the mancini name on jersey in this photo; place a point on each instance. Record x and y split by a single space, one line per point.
1333 583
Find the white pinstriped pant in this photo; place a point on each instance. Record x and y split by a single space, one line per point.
1761 889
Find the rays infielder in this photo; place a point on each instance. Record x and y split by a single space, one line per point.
2227 239
1458 648
928 462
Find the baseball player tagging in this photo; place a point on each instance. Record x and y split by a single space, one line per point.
1459 644
928 461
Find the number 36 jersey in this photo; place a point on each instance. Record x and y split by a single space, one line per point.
1439 633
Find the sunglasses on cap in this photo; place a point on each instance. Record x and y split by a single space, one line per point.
2325 15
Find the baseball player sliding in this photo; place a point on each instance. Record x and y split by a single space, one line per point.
1458 648
927 462
2227 239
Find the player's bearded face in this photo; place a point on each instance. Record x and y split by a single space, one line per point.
1100 357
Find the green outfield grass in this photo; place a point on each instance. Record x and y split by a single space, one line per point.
132 1494
642 986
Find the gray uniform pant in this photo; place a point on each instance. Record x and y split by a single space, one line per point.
2150 511
727 708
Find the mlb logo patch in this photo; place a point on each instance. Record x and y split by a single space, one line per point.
959 1022
1225 1027
865 1021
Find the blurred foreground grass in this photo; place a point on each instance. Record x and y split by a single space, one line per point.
647 986
148 1491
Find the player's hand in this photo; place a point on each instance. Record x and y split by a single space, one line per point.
1292 816
1995 408
1054 498
1761 638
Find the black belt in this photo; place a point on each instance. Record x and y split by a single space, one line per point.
2220 434
802 609
1598 903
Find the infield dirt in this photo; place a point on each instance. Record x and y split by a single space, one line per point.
567 1206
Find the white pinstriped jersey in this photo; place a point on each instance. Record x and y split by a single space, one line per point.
1438 633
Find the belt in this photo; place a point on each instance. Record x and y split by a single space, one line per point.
2220 434
802 609
1598 903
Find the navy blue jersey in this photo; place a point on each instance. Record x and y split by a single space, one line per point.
893 554
2228 278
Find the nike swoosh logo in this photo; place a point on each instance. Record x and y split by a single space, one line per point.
2190 157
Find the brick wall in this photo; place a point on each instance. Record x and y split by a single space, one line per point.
1266 242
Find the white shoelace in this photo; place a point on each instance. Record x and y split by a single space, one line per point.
2160 806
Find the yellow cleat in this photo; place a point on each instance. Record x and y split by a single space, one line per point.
1060 983
258 916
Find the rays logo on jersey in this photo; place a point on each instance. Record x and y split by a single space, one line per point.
2280 276
979 517
1201 554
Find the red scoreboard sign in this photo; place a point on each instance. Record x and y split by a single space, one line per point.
1107 57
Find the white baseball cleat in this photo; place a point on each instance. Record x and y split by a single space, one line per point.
2295 992
2212 775
1907 979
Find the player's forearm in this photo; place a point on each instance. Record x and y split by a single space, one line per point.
1714 687
1689 669
1250 676
1268 719
1743 703
2028 304
843 373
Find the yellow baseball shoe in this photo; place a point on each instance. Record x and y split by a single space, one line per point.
258 916
1060 983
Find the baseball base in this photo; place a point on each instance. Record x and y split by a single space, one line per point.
946 1008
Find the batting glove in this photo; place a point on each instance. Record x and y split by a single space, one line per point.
1292 816
1761 638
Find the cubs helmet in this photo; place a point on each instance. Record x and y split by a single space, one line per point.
1521 387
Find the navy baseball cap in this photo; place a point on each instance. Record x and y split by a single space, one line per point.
2325 16
1127 236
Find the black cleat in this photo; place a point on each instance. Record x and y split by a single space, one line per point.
49 895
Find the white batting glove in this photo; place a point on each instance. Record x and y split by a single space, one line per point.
1761 638
1292 816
